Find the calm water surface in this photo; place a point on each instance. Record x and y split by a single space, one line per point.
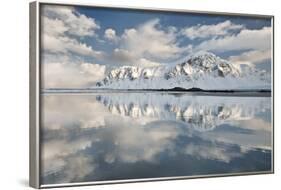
113 136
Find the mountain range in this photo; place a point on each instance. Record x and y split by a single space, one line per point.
202 70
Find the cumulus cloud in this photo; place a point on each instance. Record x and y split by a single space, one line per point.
122 55
147 63
59 22
63 44
57 28
71 75
126 57
63 52
110 34
246 39
251 57
149 40
74 23
255 44
147 45
213 30
53 27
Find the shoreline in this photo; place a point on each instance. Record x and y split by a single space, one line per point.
176 91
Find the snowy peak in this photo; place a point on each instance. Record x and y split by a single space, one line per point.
130 73
203 63
203 70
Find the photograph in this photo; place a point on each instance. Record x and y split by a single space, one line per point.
130 94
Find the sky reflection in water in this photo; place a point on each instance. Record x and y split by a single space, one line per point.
115 136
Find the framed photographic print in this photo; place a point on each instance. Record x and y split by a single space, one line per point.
125 94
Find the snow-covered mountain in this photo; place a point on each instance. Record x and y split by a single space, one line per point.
201 64
202 70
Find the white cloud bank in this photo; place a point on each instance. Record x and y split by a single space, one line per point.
151 43
246 39
147 45
206 31
74 23
71 75
255 44
149 40
59 23
250 57
63 63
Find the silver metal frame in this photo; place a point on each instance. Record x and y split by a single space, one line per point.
34 94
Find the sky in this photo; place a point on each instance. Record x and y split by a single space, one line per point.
79 45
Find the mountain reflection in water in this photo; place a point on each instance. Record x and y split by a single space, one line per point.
113 136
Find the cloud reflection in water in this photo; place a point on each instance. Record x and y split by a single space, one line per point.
126 136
